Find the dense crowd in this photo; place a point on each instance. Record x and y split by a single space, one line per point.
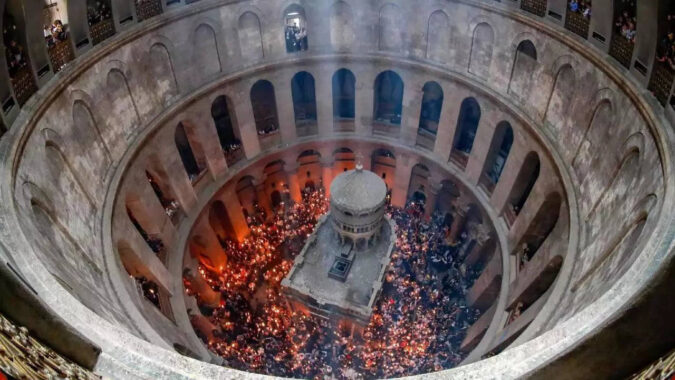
296 38
417 325
625 24
665 52
581 6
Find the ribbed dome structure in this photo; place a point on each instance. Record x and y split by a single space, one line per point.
358 191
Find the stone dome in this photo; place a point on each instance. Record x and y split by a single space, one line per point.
358 191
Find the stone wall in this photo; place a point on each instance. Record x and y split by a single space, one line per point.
85 135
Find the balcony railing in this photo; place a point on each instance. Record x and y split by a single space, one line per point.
486 183
386 129
460 158
24 84
101 31
537 7
269 139
344 125
61 53
661 82
234 156
576 23
425 139
621 49
306 128
146 9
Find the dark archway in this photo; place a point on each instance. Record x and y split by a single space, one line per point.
388 101
500 147
525 181
264 105
430 115
465 132
304 103
228 136
219 220
344 100
187 156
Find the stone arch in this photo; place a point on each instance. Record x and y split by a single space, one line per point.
560 99
155 167
53 144
383 163
465 132
344 95
161 61
524 65
84 120
341 26
264 103
309 167
498 153
599 127
141 219
250 36
205 52
227 129
432 105
482 42
295 14
247 195
390 30
524 183
189 150
388 102
541 225
439 37
419 182
304 98
220 222
122 99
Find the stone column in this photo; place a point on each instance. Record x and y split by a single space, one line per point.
364 102
293 182
412 105
461 209
262 197
432 195
324 95
243 111
235 214
401 180
480 234
327 174
285 110
205 129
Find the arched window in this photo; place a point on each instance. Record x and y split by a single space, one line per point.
99 18
481 50
304 103
187 156
524 67
228 136
388 102
250 37
344 99
430 114
527 177
500 147
264 105
219 221
465 133
419 182
295 31
341 26
540 227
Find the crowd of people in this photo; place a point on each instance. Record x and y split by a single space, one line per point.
296 38
665 52
417 325
581 6
625 24
97 12
16 57
55 33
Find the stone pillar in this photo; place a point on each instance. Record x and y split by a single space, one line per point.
327 174
235 214
412 105
285 110
205 129
243 111
459 218
293 182
485 289
401 180
262 197
432 195
324 95
364 102
480 234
